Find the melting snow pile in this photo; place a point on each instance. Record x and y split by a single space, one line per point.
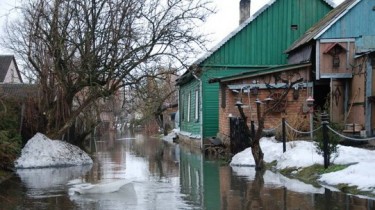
41 151
299 154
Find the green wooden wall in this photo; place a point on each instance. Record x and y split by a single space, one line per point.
210 102
211 98
263 41
189 125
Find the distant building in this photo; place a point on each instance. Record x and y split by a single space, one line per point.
9 72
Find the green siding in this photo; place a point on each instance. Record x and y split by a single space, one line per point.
192 125
263 41
211 98
210 95
211 185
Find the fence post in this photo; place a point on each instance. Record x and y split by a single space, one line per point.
284 134
324 119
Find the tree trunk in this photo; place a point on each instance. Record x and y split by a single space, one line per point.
258 155
255 145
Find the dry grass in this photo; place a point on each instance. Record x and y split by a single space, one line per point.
298 122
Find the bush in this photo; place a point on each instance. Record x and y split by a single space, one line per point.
10 139
332 143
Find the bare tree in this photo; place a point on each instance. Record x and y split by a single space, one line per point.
256 150
157 93
81 51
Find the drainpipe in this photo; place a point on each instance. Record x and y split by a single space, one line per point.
200 105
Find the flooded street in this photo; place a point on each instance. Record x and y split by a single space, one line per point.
163 175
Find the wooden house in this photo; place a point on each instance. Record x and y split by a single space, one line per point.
342 49
257 43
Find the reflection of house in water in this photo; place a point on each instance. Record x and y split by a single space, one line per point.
191 177
199 180
208 185
163 160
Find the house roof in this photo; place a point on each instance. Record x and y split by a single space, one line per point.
333 45
240 27
324 24
5 61
260 72
18 90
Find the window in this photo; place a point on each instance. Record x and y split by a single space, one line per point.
188 107
182 111
196 116
294 27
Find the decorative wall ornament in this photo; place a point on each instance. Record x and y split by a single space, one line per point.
296 93
335 49
281 104
336 95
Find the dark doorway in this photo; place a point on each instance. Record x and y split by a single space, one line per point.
238 135
321 94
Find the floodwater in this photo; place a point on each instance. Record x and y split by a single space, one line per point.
164 176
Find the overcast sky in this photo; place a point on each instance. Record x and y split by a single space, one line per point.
218 25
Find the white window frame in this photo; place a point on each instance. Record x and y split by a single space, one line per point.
196 114
189 107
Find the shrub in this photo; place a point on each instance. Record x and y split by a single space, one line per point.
332 143
10 139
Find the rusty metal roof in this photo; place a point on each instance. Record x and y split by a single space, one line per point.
323 24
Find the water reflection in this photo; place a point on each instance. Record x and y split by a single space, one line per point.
276 180
42 182
165 176
152 164
247 189
124 197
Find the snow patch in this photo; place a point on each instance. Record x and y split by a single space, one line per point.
277 180
40 152
300 154
109 186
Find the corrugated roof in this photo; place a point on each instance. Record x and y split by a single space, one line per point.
315 31
260 72
240 27
233 33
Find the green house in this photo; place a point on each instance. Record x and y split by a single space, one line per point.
258 42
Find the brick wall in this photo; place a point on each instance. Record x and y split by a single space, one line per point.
294 108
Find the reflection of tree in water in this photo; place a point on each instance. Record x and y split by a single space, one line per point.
253 193
159 156
337 200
